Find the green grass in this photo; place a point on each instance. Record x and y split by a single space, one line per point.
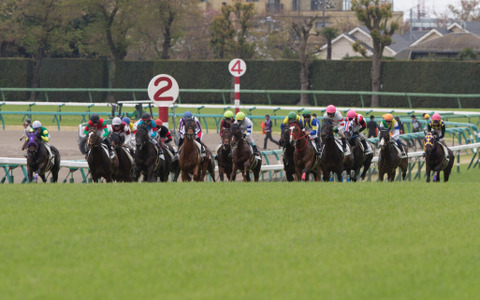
407 240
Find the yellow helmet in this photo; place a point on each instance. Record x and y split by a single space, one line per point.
240 116
228 114
426 116
388 117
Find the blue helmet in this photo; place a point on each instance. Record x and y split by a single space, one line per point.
126 120
187 115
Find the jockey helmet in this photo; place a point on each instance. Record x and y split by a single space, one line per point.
228 114
331 109
306 112
146 116
292 115
36 125
436 117
116 121
388 117
28 121
351 114
126 120
426 116
187 115
158 122
94 118
240 116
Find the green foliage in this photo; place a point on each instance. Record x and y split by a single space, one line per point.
192 241
468 54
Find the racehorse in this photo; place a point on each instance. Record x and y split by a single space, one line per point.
243 157
359 157
125 159
288 150
224 157
98 158
147 159
333 159
172 166
305 159
192 164
38 159
389 159
435 160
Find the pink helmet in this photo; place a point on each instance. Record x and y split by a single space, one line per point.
331 109
436 117
351 114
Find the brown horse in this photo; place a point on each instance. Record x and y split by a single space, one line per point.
99 162
288 150
305 159
125 159
192 164
359 158
147 159
389 159
38 159
224 155
243 157
333 159
435 160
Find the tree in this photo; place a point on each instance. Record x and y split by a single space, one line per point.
468 10
302 32
230 31
375 15
329 34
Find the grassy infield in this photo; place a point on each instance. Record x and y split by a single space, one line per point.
245 241
257 241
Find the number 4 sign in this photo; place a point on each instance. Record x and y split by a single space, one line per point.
237 67
163 90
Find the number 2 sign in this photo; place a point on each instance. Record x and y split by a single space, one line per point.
237 67
163 90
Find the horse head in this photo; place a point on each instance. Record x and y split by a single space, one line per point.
116 139
33 143
326 131
384 137
93 139
296 133
190 128
226 138
429 143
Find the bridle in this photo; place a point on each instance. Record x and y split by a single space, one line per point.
294 139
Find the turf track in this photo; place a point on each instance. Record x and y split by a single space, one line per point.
408 240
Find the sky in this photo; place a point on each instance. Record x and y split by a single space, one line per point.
431 6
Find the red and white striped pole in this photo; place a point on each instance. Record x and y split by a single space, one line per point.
237 94
237 68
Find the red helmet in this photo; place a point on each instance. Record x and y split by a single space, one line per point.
158 122
436 117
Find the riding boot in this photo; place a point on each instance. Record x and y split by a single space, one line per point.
255 150
180 142
344 145
110 150
365 147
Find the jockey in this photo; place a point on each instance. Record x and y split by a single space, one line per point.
102 130
311 126
226 121
437 127
164 136
133 128
335 117
42 133
292 117
123 129
246 127
152 130
359 125
390 123
181 128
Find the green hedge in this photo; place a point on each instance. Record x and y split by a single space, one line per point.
397 76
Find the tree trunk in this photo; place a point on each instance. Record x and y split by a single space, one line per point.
112 68
167 36
376 74
37 62
304 65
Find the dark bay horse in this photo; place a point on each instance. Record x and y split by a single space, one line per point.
435 160
389 159
99 162
147 159
192 164
288 150
333 159
38 159
224 157
243 157
125 159
305 159
172 166
359 158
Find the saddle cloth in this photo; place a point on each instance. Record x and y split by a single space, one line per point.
340 146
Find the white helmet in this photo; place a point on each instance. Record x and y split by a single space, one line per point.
36 125
116 121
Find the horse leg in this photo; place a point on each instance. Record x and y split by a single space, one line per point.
427 171
44 179
380 175
29 174
221 171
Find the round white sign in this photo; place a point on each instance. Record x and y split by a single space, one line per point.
163 90
237 67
